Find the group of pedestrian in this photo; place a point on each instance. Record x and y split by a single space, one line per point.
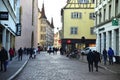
93 58
28 51
108 55
52 50
4 55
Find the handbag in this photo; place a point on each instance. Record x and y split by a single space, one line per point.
114 59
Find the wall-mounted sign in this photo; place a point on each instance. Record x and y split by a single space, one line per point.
115 22
4 16
18 31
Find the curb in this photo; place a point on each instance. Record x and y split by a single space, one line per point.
18 71
108 69
103 67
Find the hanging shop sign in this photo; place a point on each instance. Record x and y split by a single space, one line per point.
4 15
18 31
115 22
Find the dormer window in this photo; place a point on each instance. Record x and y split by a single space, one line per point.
83 1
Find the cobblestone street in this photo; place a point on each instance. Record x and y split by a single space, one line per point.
58 67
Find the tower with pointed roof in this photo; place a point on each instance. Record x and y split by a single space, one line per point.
43 12
52 24
45 30
78 22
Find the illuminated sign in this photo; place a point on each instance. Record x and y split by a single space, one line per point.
68 41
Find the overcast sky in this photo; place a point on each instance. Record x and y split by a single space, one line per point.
53 9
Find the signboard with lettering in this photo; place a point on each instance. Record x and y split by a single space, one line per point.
4 16
18 31
115 22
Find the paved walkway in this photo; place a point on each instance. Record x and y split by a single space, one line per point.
115 68
14 67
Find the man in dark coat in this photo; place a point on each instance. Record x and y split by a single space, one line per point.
96 59
3 59
90 58
20 53
105 56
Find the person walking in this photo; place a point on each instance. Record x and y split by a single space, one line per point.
90 58
110 55
105 56
3 59
31 53
35 53
96 59
11 52
20 53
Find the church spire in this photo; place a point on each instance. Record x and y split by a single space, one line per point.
52 25
43 12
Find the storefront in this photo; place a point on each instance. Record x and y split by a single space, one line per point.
108 35
7 38
71 44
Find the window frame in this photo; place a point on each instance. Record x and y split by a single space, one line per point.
74 30
76 15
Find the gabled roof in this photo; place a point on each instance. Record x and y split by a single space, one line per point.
78 3
43 12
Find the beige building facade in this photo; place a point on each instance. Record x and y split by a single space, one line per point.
45 30
29 15
57 40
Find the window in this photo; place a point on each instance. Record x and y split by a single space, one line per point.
76 15
104 35
43 29
92 30
74 30
99 1
91 15
83 1
15 2
104 15
32 12
116 7
42 37
100 17
43 21
109 11
93 1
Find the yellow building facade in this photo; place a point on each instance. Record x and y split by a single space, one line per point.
78 22
57 41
